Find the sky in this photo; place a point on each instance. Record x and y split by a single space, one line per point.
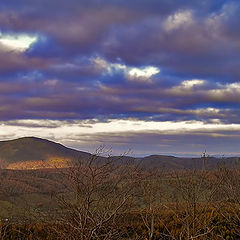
149 76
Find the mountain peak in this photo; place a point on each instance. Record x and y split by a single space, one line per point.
35 150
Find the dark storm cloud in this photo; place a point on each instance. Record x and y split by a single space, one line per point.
59 99
198 47
12 62
203 46
79 66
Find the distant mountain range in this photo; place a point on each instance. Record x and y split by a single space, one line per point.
37 153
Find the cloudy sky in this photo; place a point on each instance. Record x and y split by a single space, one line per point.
147 75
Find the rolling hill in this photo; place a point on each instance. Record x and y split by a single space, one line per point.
36 153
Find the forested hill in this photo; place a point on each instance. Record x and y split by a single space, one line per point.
36 153
32 152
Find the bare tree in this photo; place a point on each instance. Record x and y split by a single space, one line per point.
151 197
101 189
230 195
195 194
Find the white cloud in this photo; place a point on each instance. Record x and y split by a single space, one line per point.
186 87
142 74
110 68
87 135
192 83
221 92
207 110
178 19
18 42
65 129
131 73
226 92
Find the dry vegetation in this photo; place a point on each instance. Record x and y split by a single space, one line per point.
113 199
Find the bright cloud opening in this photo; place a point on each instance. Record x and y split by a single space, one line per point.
186 87
192 83
64 129
228 91
132 73
143 73
19 42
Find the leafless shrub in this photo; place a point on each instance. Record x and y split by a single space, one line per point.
230 195
101 189
194 195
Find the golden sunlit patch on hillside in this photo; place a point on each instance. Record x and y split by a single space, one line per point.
52 162
59 162
27 165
